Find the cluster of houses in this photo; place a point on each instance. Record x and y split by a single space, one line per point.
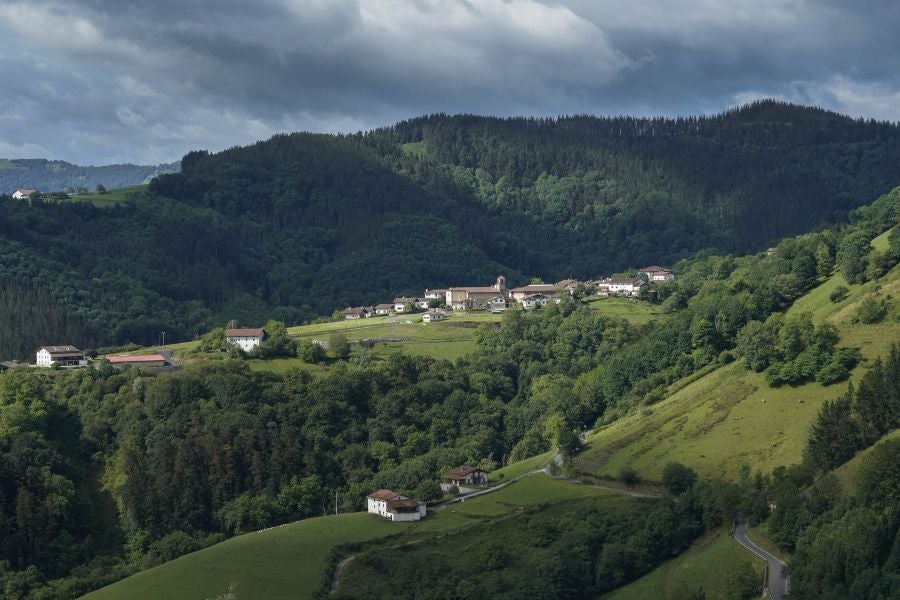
498 298
70 356
395 506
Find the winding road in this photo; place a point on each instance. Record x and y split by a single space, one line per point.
777 583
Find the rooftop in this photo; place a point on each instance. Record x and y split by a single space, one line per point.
246 332
135 358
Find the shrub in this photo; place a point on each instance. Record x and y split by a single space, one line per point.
629 476
839 293
872 310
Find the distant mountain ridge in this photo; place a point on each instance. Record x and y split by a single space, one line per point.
57 175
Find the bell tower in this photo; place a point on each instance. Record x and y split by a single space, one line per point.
501 284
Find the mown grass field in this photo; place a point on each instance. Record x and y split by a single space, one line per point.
703 565
635 312
288 561
730 416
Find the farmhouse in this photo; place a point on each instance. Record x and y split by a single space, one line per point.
384 309
140 360
626 286
245 339
432 316
23 193
534 301
520 293
359 312
466 475
394 506
656 274
64 356
475 297
401 303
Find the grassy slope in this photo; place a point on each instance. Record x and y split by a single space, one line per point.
111 197
846 473
731 416
637 313
287 561
703 565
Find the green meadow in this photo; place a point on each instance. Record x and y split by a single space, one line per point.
633 311
701 566
730 416
289 561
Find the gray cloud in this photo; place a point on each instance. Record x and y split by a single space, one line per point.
97 81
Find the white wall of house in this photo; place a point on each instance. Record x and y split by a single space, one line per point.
245 342
43 358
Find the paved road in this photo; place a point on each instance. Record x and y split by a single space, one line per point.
778 584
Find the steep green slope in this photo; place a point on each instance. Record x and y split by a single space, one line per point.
290 561
732 417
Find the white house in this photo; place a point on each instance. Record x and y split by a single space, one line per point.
383 309
627 286
23 193
64 356
432 316
400 303
656 274
520 293
245 339
394 506
534 301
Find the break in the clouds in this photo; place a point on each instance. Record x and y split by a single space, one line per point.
98 81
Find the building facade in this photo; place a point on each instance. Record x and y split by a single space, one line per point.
246 339
394 506
64 356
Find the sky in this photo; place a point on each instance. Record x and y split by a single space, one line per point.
109 81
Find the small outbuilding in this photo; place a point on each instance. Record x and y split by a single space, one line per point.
431 317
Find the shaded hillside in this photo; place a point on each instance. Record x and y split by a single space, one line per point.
57 175
302 224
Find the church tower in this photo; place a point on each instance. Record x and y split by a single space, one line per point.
501 284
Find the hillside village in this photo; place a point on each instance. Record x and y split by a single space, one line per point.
437 304
498 298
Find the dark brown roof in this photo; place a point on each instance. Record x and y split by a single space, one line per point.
383 495
462 471
60 349
25 191
383 306
654 269
358 310
625 281
406 504
244 332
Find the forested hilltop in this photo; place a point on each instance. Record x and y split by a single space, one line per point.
59 175
300 225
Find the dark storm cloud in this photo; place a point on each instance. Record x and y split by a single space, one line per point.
103 80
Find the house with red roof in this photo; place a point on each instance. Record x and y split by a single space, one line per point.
395 506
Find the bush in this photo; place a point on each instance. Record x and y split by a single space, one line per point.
629 476
871 310
678 478
839 293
